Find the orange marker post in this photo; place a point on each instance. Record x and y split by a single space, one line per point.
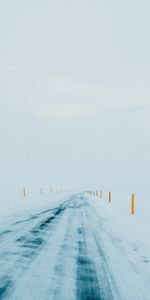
132 205
109 197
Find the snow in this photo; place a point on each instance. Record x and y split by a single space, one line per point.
126 242
112 244
13 202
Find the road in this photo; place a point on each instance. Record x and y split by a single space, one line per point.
56 253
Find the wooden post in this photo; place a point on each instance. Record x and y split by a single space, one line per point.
109 197
101 194
96 193
132 204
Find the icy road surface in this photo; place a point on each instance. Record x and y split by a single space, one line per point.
56 253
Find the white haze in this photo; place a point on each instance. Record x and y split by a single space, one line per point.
74 96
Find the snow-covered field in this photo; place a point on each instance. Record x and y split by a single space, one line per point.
126 242
75 246
13 201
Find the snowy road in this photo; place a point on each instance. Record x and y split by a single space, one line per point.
56 253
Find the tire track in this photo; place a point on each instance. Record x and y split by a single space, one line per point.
87 285
28 247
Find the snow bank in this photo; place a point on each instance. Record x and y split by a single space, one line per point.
13 201
126 242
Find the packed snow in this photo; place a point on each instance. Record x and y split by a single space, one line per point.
67 245
126 241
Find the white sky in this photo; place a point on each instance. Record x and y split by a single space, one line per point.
74 94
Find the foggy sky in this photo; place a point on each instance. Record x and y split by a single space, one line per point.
75 94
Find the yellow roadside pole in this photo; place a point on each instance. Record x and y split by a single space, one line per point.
132 204
110 197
